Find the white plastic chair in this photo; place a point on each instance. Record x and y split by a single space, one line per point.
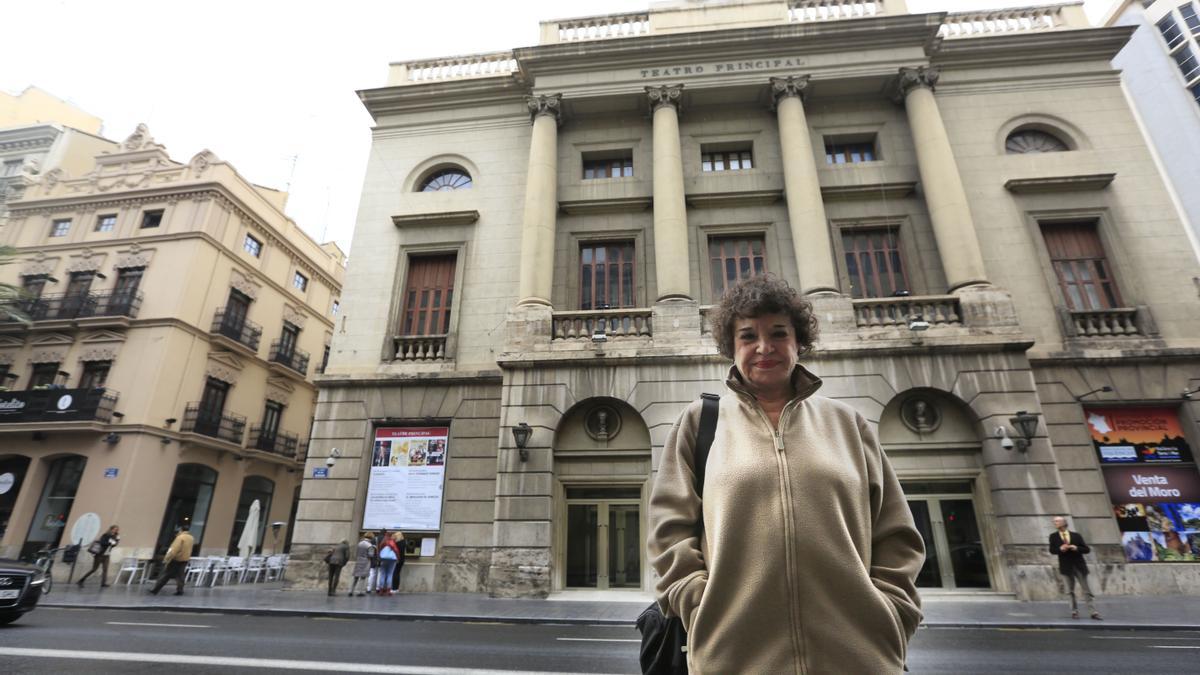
211 570
196 569
235 567
274 568
131 565
255 566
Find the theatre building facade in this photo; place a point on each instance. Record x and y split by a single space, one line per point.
1003 288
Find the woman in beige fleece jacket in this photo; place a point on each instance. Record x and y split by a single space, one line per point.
809 554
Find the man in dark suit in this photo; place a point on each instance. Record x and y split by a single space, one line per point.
1069 547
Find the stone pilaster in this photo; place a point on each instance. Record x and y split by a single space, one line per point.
806 211
945 196
541 201
670 211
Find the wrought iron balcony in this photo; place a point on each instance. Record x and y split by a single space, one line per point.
59 307
57 405
293 358
244 332
224 427
275 442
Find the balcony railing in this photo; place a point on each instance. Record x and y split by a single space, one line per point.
601 27
420 347
224 427
616 323
1007 21
456 67
834 10
277 443
293 358
57 405
937 310
58 307
1119 322
244 332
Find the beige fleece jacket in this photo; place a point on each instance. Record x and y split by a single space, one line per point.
809 554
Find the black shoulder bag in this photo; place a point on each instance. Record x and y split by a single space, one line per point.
664 640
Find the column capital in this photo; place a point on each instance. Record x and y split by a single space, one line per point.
545 104
667 94
915 78
792 85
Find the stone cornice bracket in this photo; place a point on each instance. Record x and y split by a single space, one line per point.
671 95
545 104
792 85
911 78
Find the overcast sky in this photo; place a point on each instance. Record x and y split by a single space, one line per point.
270 85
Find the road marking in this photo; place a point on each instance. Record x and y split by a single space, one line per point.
597 639
1127 637
160 625
239 662
1174 646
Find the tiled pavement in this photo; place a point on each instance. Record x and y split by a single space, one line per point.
616 608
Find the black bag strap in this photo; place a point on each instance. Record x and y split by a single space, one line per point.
705 435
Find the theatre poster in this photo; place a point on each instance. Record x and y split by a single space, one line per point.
408 478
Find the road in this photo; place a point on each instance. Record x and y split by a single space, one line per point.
52 640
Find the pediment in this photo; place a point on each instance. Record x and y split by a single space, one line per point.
225 359
53 339
10 341
103 336
282 383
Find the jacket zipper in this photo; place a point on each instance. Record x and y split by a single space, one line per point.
788 526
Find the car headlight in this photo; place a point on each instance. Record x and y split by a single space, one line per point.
38 579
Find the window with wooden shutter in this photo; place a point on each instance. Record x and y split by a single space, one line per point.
428 295
606 275
732 259
874 264
1080 265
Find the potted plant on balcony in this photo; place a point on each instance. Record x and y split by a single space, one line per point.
10 294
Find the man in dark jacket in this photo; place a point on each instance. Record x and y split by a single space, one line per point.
336 558
1069 547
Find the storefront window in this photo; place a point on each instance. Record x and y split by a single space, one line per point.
12 475
191 495
55 506
253 488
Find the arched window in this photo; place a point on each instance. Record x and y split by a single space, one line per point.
1025 141
452 178
191 495
254 489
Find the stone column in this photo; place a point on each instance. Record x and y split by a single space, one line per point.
806 211
945 196
670 212
541 201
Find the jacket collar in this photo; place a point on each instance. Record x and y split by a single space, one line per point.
803 382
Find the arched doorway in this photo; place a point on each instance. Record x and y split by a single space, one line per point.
253 488
12 477
58 496
191 497
601 465
932 440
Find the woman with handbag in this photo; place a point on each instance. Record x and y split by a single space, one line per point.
100 550
801 556
389 553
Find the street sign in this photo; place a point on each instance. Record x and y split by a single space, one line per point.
320 472
110 472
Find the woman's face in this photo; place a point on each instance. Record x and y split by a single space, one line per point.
765 352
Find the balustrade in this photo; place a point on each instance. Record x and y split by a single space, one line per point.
615 323
834 10
420 347
937 310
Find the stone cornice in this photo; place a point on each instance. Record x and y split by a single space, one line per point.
1077 183
413 220
504 90
610 205
745 198
436 379
1091 44
845 193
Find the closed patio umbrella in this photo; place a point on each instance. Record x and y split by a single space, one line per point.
249 538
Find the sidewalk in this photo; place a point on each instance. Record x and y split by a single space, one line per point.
941 610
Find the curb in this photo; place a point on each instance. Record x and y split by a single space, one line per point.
266 611
1058 625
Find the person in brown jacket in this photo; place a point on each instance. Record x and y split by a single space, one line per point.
808 556
175 561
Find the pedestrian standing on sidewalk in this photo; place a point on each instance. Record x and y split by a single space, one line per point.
389 553
100 550
1069 547
399 562
336 559
374 579
176 560
800 553
363 554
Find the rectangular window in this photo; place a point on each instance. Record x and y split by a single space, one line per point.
873 262
849 150
212 402
128 280
5 381
608 164
252 246
95 374
43 375
106 223
287 340
724 157
337 307
272 413
1188 12
1195 89
324 360
300 281
1188 65
12 167
606 275
34 285
1170 31
60 228
428 295
234 317
152 219
735 258
1080 265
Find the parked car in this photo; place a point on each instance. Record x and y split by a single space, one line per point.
20 589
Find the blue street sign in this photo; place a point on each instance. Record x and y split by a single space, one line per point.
110 472
321 472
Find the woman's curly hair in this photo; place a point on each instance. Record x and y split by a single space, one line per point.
756 296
